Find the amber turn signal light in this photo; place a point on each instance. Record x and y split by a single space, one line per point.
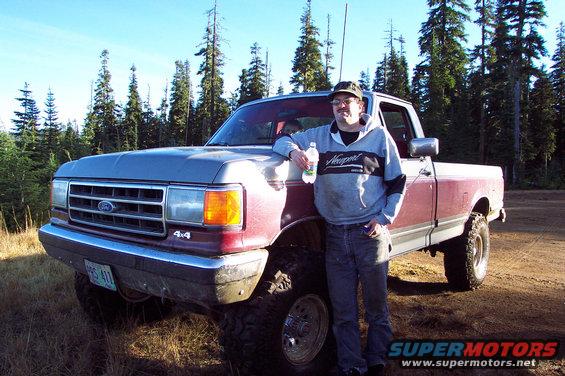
222 208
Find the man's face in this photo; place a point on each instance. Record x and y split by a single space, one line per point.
349 109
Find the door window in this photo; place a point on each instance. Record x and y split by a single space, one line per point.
398 124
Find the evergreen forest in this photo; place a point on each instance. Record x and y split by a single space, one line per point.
492 104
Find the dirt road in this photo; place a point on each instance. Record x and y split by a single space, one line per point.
523 296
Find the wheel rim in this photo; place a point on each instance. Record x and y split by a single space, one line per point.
479 259
305 329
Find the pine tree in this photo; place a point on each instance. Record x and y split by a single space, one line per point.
557 78
51 128
479 79
397 83
20 192
380 80
252 81
403 84
280 90
233 100
212 109
365 80
243 90
70 144
542 132
101 121
162 118
498 149
179 113
26 125
418 89
307 64
441 43
517 41
256 74
149 130
132 115
395 69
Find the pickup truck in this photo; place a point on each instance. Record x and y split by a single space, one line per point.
230 227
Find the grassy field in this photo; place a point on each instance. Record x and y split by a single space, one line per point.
43 331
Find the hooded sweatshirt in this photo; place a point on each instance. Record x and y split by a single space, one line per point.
356 182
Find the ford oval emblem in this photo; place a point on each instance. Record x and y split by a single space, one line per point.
106 206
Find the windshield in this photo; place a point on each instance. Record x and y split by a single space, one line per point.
262 123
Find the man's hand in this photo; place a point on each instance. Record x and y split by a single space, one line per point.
299 158
373 228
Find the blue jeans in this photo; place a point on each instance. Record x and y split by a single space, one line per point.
352 256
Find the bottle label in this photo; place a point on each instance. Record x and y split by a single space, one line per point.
311 169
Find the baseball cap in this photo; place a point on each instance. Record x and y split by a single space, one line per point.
350 87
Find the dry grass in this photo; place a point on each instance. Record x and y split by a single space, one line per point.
43 331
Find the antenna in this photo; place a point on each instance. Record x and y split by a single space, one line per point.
343 42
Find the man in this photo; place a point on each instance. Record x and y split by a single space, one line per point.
358 191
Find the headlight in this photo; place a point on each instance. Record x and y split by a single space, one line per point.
185 205
208 207
59 190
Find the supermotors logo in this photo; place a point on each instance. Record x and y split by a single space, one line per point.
472 353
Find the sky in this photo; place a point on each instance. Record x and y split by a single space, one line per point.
57 44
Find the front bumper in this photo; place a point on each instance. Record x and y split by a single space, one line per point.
208 281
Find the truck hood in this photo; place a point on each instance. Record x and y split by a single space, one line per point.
180 164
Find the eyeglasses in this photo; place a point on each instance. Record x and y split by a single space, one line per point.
346 101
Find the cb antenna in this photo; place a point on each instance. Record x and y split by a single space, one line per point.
343 42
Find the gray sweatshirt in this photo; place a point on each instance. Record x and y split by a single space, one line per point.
357 182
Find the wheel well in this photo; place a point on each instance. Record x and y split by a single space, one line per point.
309 235
482 206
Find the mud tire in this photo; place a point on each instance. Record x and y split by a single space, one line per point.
107 307
253 332
466 257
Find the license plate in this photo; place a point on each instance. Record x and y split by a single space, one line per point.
100 275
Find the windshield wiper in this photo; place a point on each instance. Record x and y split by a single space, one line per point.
222 143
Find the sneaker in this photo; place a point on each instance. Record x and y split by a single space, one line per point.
376 370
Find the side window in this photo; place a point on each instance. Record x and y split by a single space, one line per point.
398 124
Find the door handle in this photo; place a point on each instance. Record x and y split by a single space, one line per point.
425 172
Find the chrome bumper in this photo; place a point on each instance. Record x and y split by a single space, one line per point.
207 281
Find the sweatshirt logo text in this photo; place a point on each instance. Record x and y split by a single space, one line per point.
351 162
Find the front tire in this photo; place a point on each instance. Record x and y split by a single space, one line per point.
466 258
108 307
284 329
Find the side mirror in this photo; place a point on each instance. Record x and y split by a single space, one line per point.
423 147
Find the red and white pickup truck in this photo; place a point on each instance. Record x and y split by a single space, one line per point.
231 227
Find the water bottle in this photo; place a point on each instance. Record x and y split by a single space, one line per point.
309 175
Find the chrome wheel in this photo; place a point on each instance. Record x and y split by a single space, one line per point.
479 261
305 329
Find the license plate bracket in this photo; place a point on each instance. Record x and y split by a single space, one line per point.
100 275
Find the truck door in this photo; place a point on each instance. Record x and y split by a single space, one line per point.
412 227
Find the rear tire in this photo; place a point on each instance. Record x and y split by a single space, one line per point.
109 307
466 257
285 328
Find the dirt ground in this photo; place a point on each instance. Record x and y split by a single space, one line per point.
523 296
43 330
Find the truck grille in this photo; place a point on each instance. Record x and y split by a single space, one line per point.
125 207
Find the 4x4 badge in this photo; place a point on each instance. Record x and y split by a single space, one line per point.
106 206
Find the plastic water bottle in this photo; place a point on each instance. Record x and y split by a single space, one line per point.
309 175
